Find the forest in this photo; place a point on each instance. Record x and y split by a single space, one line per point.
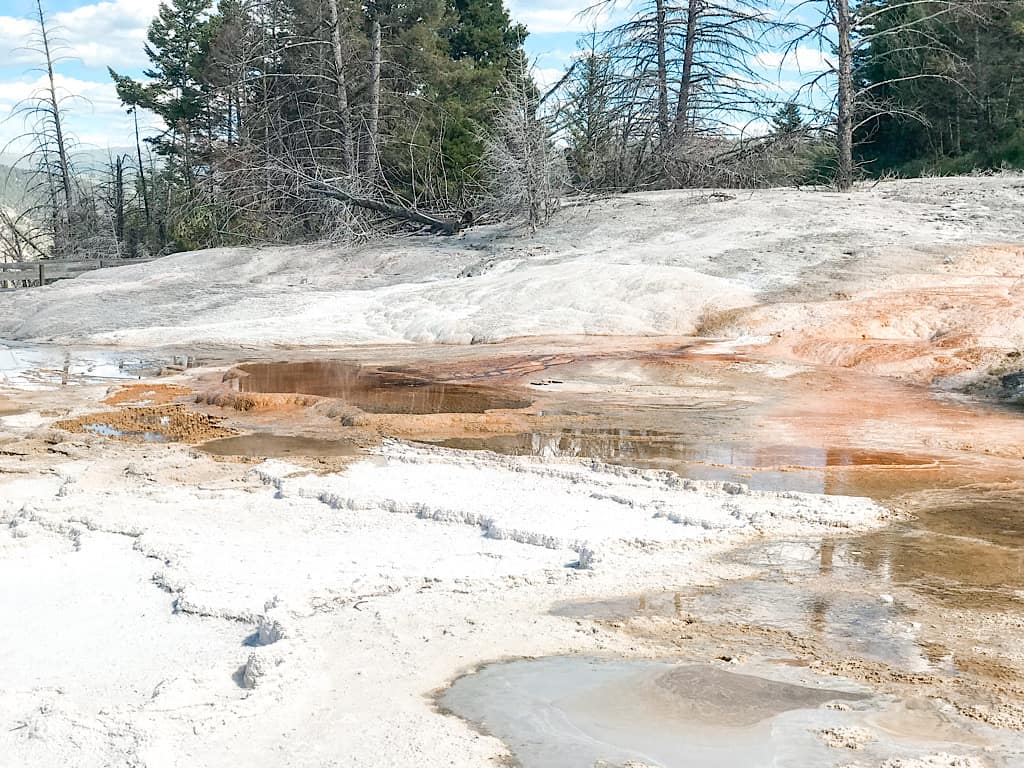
304 120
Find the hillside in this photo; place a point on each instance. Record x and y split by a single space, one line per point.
801 266
15 185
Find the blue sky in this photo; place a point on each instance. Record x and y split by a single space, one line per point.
112 32
94 34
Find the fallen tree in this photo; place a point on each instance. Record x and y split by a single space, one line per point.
442 226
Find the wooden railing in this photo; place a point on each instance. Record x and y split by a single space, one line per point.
26 274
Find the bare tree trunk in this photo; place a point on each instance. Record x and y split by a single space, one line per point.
373 120
661 32
211 185
844 121
142 172
239 120
444 226
344 115
119 218
686 81
54 107
186 143
954 127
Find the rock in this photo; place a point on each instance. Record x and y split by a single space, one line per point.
251 672
1013 384
846 738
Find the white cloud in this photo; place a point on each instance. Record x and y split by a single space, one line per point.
569 16
97 34
94 116
92 96
545 77
15 33
801 59
778 86
100 34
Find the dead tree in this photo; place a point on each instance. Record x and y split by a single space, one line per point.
54 112
582 111
682 121
371 158
335 189
684 84
844 96
114 201
54 184
853 33
20 239
661 41
143 188
344 112
519 157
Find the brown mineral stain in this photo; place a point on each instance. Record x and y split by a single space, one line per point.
168 423
8 408
245 401
147 394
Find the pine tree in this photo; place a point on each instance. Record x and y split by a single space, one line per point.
944 86
484 33
787 120
265 103
589 121
178 41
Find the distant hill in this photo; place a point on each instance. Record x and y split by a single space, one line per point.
87 161
15 184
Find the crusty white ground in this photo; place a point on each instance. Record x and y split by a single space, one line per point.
644 264
165 610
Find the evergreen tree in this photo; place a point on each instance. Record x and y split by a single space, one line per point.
484 33
178 41
945 87
787 120
589 121
264 101
486 46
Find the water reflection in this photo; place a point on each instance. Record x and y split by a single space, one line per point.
853 621
965 543
374 390
803 468
275 446
35 366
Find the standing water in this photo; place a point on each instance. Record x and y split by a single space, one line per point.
579 712
953 468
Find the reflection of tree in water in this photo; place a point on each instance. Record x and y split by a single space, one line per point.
819 605
826 553
636 446
964 545
375 390
934 554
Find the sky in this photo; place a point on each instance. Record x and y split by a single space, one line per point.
96 35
